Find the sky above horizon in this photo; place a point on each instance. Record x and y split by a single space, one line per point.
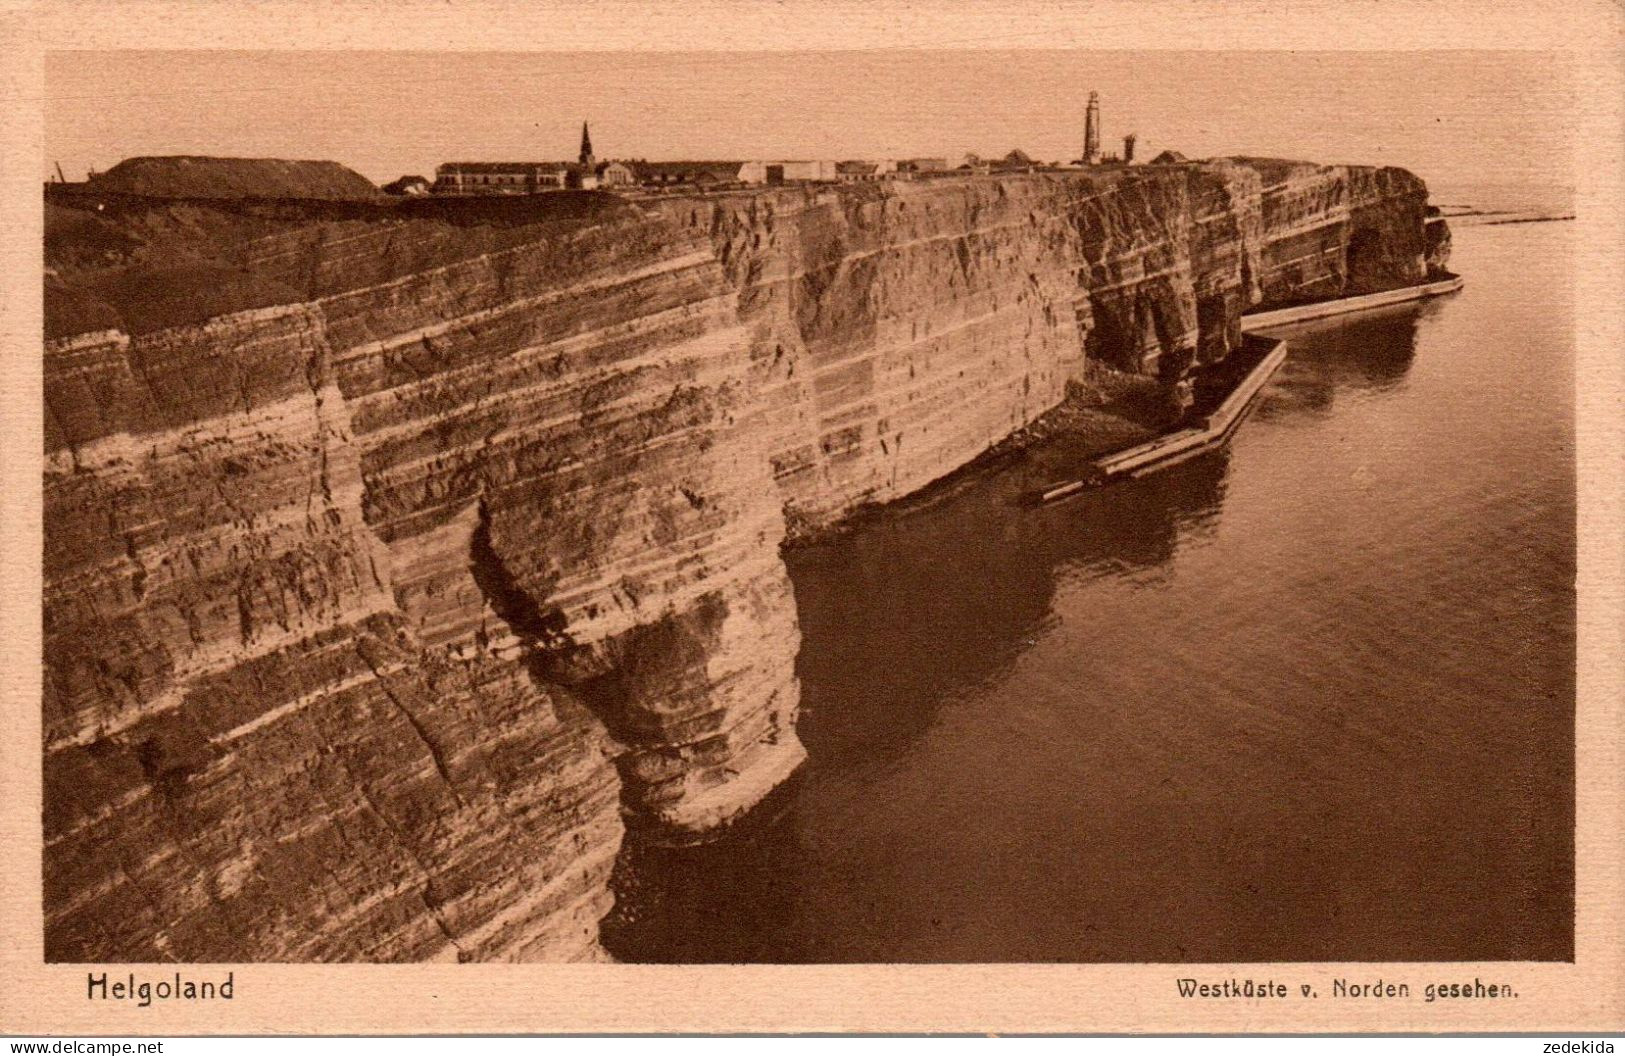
1456 118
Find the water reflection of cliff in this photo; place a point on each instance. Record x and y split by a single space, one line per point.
967 586
898 619
906 617
1365 352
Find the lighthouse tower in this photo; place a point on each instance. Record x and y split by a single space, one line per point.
1091 131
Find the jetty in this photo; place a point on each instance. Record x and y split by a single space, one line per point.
1202 434
1213 429
1321 309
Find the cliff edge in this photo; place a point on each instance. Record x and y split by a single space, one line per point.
402 558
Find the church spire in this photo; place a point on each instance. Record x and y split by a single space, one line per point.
586 146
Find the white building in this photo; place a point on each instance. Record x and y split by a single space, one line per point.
786 171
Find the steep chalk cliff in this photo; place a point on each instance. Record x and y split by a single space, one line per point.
401 558
897 330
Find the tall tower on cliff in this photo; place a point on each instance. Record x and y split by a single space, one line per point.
1091 131
587 160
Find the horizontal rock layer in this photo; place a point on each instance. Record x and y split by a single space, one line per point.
897 330
400 558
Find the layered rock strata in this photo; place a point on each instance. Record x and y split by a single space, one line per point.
400 559
897 330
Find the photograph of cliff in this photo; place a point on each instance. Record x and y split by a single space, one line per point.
869 507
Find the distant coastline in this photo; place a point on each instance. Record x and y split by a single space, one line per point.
1475 204
1467 216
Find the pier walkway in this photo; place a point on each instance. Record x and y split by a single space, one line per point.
1320 309
1204 434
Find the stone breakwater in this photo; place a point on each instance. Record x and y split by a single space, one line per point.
401 560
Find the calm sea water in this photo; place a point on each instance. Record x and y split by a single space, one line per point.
1309 698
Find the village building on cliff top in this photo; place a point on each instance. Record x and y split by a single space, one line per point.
787 171
678 174
849 171
533 177
911 168
411 186
587 173
859 171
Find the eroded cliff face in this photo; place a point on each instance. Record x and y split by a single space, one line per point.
366 611
401 559
898 330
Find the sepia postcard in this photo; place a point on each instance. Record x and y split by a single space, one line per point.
735 517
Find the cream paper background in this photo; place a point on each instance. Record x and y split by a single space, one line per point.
1587 995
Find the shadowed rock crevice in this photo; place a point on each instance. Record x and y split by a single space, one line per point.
507 598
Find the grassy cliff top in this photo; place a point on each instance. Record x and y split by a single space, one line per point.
201 177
